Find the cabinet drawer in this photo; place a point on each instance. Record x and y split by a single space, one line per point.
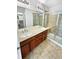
23 43
45 32
38 35
26 41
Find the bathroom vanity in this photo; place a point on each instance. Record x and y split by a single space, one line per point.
35 36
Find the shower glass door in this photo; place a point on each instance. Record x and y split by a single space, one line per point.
58 34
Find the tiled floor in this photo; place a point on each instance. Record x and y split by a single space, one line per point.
46 50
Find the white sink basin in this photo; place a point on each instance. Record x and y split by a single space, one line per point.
27 33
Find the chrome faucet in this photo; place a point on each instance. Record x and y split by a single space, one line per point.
24 30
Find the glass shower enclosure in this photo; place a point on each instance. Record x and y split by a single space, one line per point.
55 33
58 30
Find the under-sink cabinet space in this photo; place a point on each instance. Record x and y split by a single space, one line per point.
29 44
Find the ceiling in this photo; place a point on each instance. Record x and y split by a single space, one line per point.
53 5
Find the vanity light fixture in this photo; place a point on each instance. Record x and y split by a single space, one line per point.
24 1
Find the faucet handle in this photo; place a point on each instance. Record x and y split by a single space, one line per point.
26 30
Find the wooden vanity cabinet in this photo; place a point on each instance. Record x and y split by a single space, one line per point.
29 44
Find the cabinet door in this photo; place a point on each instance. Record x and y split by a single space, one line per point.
33 44
45 34
25 50
39 40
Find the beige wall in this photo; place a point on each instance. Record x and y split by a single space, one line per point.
52 22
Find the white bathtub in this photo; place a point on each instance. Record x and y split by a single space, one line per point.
55 39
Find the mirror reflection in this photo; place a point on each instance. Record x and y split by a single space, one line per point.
20 17
28 18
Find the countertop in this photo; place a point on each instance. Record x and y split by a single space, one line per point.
32 31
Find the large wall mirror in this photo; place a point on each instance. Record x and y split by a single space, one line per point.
27 18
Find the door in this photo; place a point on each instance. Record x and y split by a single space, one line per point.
25 50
